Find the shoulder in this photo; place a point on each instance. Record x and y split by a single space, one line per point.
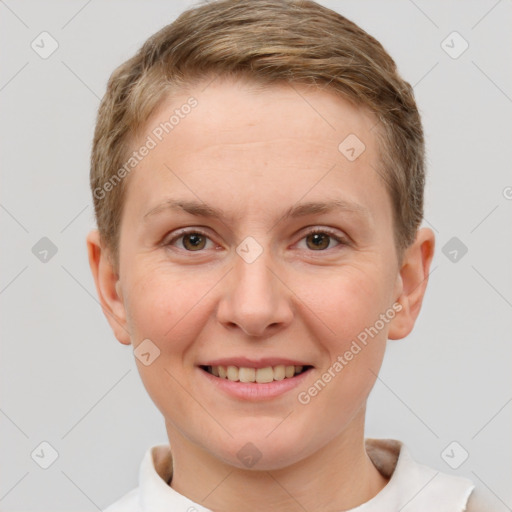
127 503
153 461
415 485
394 460
481 501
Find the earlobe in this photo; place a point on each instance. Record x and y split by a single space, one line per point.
414 278
107 287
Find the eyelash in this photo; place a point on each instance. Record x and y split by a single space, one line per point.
324 231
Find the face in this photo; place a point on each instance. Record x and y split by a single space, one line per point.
296 265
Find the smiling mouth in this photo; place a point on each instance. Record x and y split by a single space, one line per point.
256 375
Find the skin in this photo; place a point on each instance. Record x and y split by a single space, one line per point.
254 153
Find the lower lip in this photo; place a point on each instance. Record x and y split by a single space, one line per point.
254 390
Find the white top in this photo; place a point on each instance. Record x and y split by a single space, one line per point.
412 487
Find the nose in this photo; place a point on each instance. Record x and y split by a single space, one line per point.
255 299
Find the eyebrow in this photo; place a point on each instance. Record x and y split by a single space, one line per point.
201 209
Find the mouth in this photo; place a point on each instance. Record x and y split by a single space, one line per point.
264 375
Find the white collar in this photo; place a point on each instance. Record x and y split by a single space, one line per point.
412 487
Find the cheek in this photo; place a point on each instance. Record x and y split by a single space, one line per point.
349 304
359 311
166 309
164 306
345 301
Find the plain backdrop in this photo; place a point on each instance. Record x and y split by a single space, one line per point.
66 381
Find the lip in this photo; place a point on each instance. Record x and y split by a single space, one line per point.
253 363
253 391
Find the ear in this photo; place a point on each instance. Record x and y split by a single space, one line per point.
412 283
108 287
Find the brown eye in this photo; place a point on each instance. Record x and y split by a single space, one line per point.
324 240
194 241
318 241
190 240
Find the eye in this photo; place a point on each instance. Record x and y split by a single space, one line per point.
194 240
319 239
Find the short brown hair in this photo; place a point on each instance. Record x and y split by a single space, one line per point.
265 41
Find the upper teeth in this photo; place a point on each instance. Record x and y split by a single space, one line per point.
261 375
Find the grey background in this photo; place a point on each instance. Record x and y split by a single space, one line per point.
67 381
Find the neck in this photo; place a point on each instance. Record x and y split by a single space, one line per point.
339 476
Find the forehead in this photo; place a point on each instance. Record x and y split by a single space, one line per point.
238 111
242 144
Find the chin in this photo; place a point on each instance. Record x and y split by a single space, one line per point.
264 448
